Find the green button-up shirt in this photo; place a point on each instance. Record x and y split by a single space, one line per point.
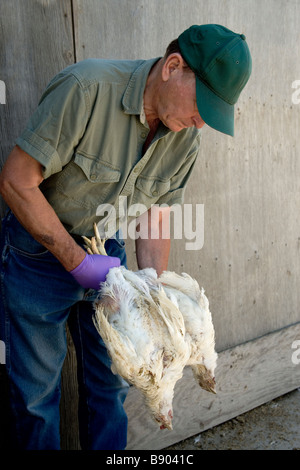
88 134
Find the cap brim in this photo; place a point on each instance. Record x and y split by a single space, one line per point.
214 111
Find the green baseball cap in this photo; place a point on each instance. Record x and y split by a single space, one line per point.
222 64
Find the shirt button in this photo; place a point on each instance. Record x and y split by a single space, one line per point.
155 193
143 135
93 177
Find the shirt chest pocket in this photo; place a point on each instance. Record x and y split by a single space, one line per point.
88 182
149 190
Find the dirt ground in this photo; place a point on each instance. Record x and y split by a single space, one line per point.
272 426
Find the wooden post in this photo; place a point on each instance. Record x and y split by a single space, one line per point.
36 43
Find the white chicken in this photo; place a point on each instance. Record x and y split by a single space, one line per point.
185 293
152 328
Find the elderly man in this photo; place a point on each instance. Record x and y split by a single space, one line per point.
103 129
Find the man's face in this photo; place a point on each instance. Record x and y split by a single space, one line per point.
177 106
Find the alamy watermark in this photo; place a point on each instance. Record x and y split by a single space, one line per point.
2 92
296 354
296 94
2 352
188 222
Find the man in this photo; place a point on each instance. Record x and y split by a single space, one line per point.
102 130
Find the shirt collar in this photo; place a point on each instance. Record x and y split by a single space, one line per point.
133 98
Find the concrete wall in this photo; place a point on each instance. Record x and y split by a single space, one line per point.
249 185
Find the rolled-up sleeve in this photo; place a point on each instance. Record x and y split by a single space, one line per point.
57 125
178 182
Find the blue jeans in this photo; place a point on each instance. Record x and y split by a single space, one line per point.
38 297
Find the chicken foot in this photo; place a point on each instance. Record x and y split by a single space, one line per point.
95 245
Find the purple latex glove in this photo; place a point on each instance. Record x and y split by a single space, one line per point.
93 270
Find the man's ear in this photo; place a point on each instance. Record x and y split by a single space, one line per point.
172 64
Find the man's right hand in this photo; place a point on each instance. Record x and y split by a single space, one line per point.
93 270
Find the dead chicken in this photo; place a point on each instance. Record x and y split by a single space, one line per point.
154 327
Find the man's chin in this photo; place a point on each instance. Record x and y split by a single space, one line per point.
176 128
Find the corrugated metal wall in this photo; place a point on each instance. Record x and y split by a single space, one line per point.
249 185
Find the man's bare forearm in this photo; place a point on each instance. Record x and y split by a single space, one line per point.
19 183
153 253
153 248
